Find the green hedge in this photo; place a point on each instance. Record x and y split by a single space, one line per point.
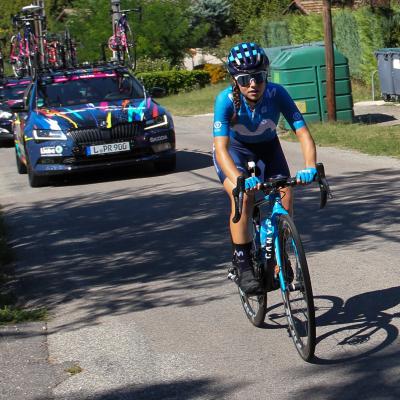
357 34
175 81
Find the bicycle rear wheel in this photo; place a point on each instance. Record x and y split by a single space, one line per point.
130 50
298 297
255 306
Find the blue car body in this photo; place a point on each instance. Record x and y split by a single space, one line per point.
65 127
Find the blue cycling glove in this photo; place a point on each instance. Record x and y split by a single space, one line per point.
306 175
251 183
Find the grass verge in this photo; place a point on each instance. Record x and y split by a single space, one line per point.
9 313
193 103
369 139
202 101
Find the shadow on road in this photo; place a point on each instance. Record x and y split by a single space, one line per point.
131 250
365 205
374 118
183 389
187 160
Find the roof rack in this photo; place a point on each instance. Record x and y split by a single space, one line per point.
80 68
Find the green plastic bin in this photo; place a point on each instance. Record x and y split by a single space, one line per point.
302 72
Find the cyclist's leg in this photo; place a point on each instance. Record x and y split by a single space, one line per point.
241 232
273 162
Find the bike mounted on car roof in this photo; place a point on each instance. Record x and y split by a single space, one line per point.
32 48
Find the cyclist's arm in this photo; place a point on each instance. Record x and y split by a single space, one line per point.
223 111
307 146
296 121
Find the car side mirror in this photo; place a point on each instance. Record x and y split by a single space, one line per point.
157 92
18 107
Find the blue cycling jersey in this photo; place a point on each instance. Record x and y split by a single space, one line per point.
258 125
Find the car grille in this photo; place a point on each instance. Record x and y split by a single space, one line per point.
104 135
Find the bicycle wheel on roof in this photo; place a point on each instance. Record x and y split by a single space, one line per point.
130 49
298 297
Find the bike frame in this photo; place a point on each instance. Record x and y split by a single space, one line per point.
276 209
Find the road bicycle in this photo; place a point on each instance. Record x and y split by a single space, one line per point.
276 242
25 56
122 42
70 50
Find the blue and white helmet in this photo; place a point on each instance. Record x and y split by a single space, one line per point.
245 58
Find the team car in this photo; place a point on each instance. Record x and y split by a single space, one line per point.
11 92
89 118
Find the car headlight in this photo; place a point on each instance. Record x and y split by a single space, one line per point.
48 134
157 122
5 115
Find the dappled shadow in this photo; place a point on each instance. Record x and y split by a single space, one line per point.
365 205
374 118
361 326
362 319
131 250
125 251
375 379
174 390
187 160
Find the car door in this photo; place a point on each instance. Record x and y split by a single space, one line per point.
20 122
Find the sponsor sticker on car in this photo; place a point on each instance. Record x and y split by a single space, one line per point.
107 148
49 151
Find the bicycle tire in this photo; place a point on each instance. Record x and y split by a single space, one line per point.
255 307
130 50
298 301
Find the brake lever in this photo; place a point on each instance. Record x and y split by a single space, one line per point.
324 187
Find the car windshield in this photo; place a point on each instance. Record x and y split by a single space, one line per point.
12 92
64 91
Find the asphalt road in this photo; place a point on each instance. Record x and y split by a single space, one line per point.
132 267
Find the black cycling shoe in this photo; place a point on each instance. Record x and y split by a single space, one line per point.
248 283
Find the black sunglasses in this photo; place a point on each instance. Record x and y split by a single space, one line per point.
245 79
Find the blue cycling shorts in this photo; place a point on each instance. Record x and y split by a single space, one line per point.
268 157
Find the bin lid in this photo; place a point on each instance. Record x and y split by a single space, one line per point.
273 52
305 57
387 51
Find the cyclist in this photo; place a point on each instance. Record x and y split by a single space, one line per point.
245 119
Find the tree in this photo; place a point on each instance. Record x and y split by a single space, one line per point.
213 19
245 10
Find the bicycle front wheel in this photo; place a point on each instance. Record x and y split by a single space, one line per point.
298 297
130 50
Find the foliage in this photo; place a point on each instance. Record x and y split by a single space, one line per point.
277 34
175 81
147 64
371 29
225 44
245 10
217 72
347 40
15 315
306 29
214 15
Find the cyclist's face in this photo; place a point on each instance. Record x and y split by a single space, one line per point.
253 91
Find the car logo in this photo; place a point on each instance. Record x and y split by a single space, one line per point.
103 124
